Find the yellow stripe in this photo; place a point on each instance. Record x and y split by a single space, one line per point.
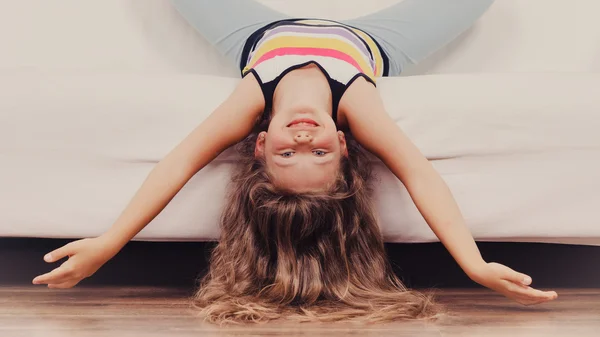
374 49
317 22
312 42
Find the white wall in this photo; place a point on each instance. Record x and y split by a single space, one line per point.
148 36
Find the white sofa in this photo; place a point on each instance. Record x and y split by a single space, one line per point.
93 94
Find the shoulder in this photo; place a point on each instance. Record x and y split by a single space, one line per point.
361 99
248 94
244 105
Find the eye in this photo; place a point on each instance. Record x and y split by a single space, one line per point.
319 153
287 154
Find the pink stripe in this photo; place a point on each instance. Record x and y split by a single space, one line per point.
308 51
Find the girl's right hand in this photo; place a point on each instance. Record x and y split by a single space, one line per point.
86 256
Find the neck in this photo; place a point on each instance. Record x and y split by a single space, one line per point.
302 89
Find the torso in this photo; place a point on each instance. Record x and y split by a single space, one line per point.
336 53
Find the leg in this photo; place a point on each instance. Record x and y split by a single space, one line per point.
414 29
226 24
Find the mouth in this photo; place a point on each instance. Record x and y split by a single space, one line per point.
303 122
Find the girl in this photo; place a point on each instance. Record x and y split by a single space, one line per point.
298 233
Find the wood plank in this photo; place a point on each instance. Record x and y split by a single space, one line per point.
151 311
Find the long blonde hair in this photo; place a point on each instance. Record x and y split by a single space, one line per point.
307 257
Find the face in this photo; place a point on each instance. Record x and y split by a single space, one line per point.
302 150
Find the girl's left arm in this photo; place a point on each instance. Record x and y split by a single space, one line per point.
377 132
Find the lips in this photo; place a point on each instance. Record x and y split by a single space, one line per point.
303 122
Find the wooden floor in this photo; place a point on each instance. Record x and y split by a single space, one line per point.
86 311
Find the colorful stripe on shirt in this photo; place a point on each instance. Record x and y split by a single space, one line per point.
339 46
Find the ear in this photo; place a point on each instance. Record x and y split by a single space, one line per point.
343 146
259 150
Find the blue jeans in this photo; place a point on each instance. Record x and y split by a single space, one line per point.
408 31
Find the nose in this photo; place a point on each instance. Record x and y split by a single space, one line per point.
303 137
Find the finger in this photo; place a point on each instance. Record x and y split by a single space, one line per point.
516 277
534 302
58 280
542 294
542 301
531 293
51 277
515 292
552 295
59 253
63 285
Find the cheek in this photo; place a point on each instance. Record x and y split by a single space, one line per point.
330 140
275 140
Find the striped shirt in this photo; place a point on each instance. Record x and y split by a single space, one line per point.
343 53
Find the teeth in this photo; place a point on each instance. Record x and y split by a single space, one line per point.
305 124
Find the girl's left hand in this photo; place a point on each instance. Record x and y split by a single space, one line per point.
511 284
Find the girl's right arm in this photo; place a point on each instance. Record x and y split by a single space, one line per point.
230 123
